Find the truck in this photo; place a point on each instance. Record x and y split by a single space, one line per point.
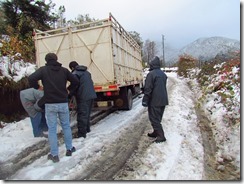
110 53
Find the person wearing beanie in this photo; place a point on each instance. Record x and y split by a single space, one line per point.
84 96
54 78
155 98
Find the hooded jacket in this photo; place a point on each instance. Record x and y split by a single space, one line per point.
54 78
155 92
85 90
29 99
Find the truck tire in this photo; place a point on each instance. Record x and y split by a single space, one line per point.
129 100
125 100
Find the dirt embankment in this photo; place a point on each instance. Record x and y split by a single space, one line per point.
213 170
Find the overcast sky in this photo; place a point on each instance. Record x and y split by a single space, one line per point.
180 21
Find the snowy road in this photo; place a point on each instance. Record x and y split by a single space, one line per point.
100 146
117 148
181 157
113 140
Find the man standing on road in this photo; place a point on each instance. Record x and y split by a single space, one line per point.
84 95
54 78
155 98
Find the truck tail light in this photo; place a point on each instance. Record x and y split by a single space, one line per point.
108 93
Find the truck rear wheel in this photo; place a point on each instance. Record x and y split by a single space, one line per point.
125 101
129 101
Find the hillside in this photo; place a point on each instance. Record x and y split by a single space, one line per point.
205 48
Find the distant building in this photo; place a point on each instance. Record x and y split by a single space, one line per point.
170 69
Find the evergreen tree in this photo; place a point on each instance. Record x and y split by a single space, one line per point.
25 15
18 19
2 27
136 37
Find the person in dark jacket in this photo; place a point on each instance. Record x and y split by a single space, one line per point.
85 96
54 78
155 98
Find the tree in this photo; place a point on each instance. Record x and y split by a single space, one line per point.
25 15
185 63
84 19
149 51
19 19
81 19
2 24
61 20
136 37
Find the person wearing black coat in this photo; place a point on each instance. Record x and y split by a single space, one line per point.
155 98
84 95
54 78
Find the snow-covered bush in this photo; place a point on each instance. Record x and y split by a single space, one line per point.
13 78
225 83
219 84
15 69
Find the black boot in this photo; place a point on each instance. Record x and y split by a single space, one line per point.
153 134
80 134
160 136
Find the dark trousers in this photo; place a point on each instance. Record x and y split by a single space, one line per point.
83 116
155 115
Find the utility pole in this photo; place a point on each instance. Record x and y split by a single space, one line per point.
163 62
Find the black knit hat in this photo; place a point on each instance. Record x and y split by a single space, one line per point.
51 57
73 64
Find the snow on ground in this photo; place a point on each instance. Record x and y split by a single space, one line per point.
226 132
15 69
179 158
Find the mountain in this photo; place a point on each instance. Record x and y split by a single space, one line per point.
206 48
